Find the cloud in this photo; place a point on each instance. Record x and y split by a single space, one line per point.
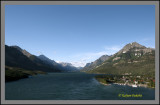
80 59
78 64
90 55
145 39
39 53
54 52
83 58
112 49
148 42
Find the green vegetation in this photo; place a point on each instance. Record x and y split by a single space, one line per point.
127 68
140 80
151 83
12 73
102 80
143 65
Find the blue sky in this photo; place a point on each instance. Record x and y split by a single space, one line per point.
78 33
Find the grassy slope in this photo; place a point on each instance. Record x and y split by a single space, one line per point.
144 66
12 73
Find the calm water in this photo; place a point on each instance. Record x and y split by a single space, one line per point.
70 86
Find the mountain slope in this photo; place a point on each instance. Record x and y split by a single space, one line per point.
23 51
47 60
133 59
64 66
14 57
96 63
67 66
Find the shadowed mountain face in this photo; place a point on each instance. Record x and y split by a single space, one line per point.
68 66
96 63
131 59
62 65
23 59
23 51
47 60
16 57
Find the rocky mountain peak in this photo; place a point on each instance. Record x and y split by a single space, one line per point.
130 46
22 50
135 44
26 53
65 64
103 58
95 63
88 64
17 47
42 56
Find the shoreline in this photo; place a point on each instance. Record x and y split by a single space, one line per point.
25 76
140 85
104 84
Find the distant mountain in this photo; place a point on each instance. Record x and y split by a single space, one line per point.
64 66
96 63
133 59
67 66
79 68
16 57
47 60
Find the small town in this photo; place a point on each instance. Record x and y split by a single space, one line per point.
130 80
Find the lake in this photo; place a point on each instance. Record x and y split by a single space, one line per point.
72 86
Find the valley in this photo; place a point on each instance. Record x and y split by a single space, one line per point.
129 70
133 62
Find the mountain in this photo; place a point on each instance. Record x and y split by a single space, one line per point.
67 66
23 51
136 46
16 57
96 63
64 66
133 59
47 60
79 68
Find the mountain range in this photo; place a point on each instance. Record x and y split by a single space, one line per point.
133 59
18 57
96 63
64 66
